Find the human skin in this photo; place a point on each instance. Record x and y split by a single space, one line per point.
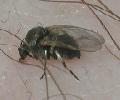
98 71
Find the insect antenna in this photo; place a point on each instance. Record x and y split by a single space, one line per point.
64 64
4 44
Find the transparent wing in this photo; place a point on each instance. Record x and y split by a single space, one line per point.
87 40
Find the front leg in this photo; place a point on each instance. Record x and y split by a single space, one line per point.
45 64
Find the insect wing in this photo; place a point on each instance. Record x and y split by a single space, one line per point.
87 40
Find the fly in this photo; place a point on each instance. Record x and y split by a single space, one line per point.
59 42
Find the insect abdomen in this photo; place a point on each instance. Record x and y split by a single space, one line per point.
65 53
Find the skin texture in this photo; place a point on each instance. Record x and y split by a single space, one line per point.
99 72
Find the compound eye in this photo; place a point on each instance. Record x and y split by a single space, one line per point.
23 53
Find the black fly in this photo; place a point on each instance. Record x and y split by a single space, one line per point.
59 41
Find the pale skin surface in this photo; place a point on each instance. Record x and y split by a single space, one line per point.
98 71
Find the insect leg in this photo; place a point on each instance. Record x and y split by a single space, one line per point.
64 64
45 58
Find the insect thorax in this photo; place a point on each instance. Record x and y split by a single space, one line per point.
40 39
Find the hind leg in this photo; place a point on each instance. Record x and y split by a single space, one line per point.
64 64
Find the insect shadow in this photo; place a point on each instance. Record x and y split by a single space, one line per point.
59 42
